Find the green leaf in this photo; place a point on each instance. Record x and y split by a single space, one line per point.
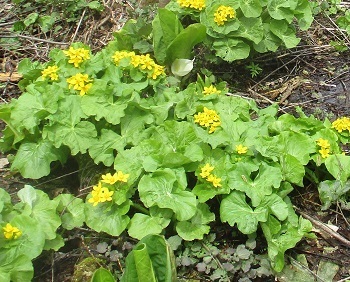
292 169
182 45
104 149
268 177
106 218
71 210
166 26
162 189
231 49
33 160
251 29
142 225
46 22
95 5
78 137
339 167
282 10
42 209
5 203
251 8
104 107
154 260
196 227
234 209
275 205
281 29
102 275
15 268
30 19
330 191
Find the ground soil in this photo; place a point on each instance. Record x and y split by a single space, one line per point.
313 76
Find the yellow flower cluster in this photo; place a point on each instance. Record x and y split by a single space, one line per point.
208 118
210 90
143 62
195 4
100 194
325 147
223 13
241 149
118 176
77 56
51 72
341 124
207 175
80 82
11 232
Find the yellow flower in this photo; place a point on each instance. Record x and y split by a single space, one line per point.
206 170
241 149
323 143
208 118
122 177
77 56
119 55
210 90
214 180
100 194
11 232
50 71
146 62
324 152
157 71
222 13
109 178
80 82
105 195
341 124
195 4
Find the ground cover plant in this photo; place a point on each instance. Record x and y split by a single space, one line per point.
181 154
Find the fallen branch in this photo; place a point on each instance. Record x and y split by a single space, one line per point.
8 76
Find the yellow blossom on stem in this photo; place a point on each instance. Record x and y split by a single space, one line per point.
100 194
50 71
77 56
206 170
11 232
208 118
210 90
222 14
341 124
195 4
324 152
80 82
214 180
323 143
118 176
122 177
241 149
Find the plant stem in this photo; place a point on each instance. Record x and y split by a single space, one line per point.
140 208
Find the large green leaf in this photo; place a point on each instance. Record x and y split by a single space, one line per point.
16 268
153 261
166 26
231 49
282 10
33 159
339 166
251 8
42 209
251 29
268 177
142 225
162 189
292 169
282 30
104 149
106 218
102 275
71 210
104 107
78 137
235 210
196 227
182 46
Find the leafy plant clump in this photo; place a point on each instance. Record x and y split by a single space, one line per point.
180 157
236 29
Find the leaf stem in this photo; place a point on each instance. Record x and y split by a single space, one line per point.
140 208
